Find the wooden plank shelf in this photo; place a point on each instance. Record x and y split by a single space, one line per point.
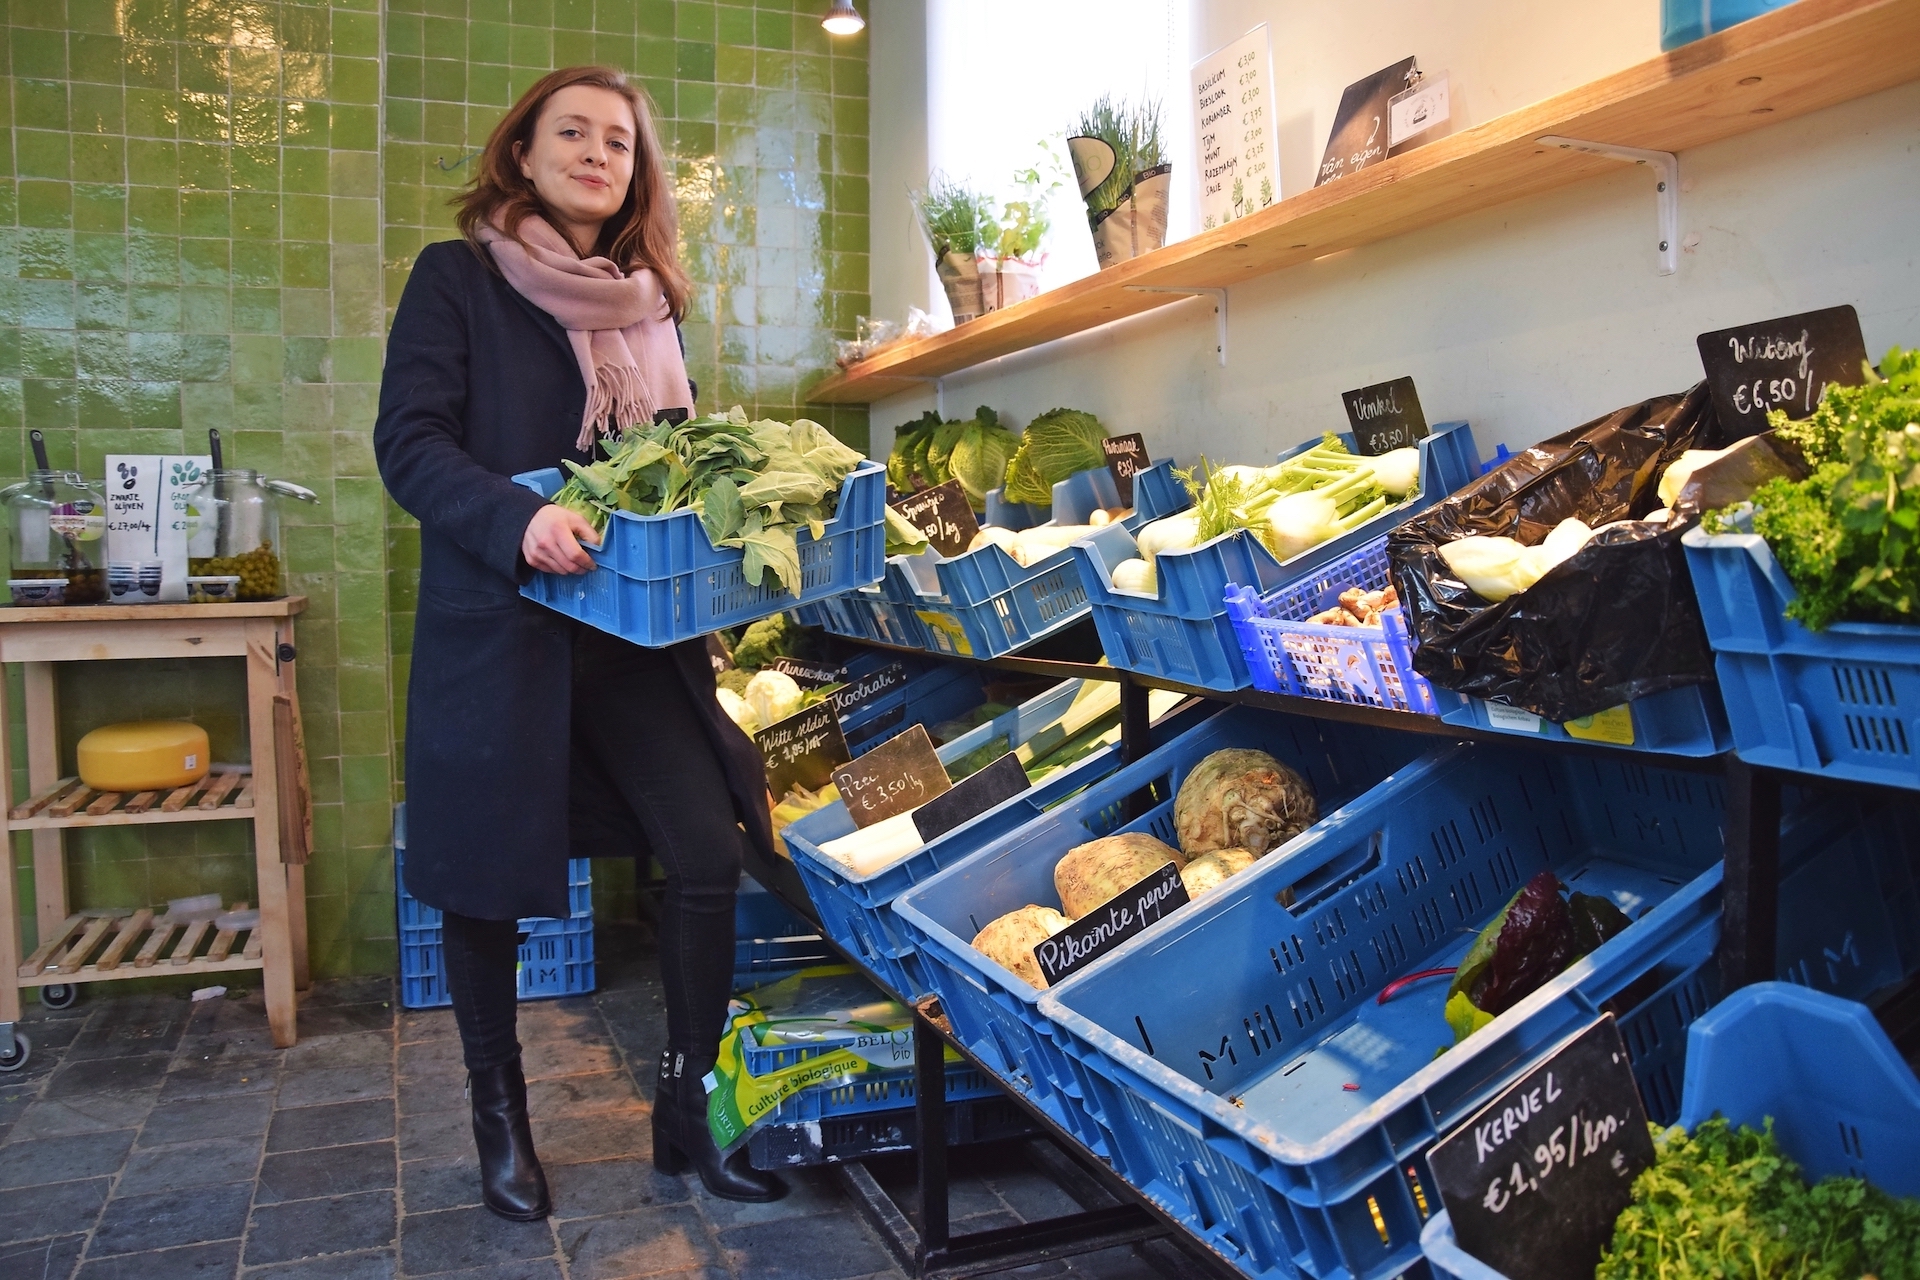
225 793
1795 60
101 949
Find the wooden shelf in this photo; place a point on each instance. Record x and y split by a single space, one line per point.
1795 60
100 949
284 607
225 793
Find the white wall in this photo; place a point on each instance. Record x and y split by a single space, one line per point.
1526 319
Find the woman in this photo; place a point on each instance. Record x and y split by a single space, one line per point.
531 738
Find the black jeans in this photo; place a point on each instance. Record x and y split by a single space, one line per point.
642 755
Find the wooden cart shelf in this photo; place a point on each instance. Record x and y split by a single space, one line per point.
1797 59
100 949
223 794
269 793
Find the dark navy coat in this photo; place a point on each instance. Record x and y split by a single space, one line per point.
480 385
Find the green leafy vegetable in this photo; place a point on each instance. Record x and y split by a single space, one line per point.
1848 536
755 485
1055 445
930 451
1727 1203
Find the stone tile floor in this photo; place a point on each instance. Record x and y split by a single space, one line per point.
149 1138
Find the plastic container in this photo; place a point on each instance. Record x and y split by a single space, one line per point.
1255 1089
1684 21
245 511
556 956
1689 721
213 588
996 1015
1185 634
857 911
1370 666
769 939
866 614
56 525
658 580
931 698
836 1138
1835 702
887 1092
985 603
1842 1102
37 592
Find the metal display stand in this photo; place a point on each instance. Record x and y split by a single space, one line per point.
929 1251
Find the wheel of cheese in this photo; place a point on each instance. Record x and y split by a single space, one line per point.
144 755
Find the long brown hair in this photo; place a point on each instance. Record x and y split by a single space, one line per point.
646 230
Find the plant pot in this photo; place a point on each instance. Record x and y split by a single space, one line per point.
1003 283
1138 224
960 277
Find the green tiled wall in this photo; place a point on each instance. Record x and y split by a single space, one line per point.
207 210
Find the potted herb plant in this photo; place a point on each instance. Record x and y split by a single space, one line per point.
1010 248
1119 157
956 218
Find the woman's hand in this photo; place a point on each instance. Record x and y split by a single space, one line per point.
552 541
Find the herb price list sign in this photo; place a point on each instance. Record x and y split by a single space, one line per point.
1535 1179
1233 110
1783 364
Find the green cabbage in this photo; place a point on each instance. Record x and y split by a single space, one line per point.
980 456
1055 445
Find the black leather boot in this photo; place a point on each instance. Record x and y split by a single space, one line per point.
511 1181
681 1137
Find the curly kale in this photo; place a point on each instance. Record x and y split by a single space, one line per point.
1848 536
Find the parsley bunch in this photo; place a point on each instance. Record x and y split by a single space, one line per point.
1728 1204
1848 536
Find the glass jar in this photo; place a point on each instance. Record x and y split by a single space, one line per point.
233 529
57 523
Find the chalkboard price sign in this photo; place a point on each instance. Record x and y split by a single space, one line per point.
717 653
866 688
900 774
1783 364
803 750
1534 1180
1126 458
943 514
808 674
1385 416
1112 923
972 796
1361 127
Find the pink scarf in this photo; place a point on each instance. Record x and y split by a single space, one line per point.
620 327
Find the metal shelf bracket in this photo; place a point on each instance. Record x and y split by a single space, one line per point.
1219 297
1666 170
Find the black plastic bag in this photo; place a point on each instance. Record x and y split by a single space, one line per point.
1617 621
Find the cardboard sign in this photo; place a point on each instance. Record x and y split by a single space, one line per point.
898 775
1783 364
1385 416
972 796
943 514
1535 1179
1361 127
1233 118
864 689
1126 458
1112 923
809 674
803 750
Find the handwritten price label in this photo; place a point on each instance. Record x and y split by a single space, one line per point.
900 774
943 514
1784 364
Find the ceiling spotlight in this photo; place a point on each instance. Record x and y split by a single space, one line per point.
843 19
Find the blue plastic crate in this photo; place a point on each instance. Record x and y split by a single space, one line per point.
857 911
995 1014
415 914
1256 1090
866 614
1184 632
1689 721
984 604
934 697
556 959
1842 1102
1838 703
1370 666
786 1146
769 939
658 580
1684 21
873 1093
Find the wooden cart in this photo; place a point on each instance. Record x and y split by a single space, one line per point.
270 793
